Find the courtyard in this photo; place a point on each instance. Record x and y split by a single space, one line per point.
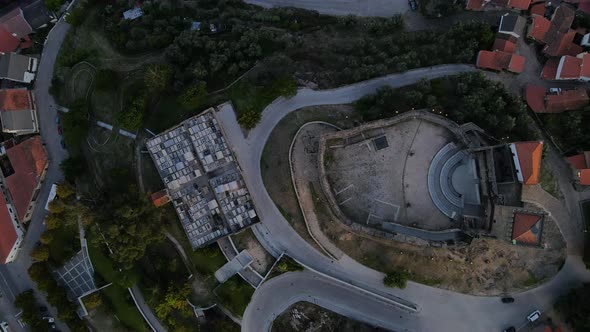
384 178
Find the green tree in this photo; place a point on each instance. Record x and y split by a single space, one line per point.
46 237
106 80
158 77
75 124
193 96
28 304
132 117
175 302
76 16
73 167
396 279
65 190
575 308
53 5
52 221
93 300
40 253
249 118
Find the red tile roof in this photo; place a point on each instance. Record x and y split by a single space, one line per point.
550 69
585 67
519 4
499 60
15 99
504 45
8 42
584 175
516 64
580 161
538 9
539 28
535 97
567 100
529 156
15 22
569 68
28 160
526 228
474 5
13 28
584 7
8 234
160 198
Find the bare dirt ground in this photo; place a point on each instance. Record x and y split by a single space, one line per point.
389 184
308 317
262 259
486 267
274 164
101 320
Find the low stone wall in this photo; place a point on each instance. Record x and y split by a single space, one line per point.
350 134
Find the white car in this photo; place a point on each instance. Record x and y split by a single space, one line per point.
533 316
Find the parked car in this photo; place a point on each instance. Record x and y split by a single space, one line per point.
510 329
533 316
57 119
49 319
554 90
507 299
413 4
59 130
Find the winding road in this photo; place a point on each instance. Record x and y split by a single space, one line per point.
437 309
383 8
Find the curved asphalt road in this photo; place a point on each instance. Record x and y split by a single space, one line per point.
439 310
14 278
383 8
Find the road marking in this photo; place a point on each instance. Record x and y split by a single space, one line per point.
7 286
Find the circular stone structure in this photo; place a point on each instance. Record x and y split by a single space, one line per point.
411 170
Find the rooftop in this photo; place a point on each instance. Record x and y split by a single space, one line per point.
519 4
539 28
8 235
504 45
499 60
527 160
17 67
160 198
527 228
203 180
511 24
28 160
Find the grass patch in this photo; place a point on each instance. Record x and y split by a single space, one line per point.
116 295
205 260
235 294
286 264
531 281
549 182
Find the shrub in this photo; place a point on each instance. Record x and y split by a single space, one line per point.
106 80
396 279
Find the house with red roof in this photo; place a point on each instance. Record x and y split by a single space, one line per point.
504 45
11 233
556 34
519 4
14 31
538 8
527 158
160 198
18 113
527 228
540 100
568 68
22 179
581 165
500 60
